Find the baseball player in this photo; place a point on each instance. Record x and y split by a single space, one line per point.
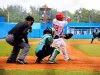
96 33
58 26
17 37
44 47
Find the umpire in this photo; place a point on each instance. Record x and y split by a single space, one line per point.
17 37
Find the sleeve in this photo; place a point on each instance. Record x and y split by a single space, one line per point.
25 38
25 33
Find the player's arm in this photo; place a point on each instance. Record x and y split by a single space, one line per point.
25 38
49 41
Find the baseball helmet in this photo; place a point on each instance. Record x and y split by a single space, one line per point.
48 31
59 16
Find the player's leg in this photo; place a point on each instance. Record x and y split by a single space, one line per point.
60 43
13 56
39 56
51 59
25 48
92 40
64 51
46 50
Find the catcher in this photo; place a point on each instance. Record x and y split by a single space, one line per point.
58 25
44 47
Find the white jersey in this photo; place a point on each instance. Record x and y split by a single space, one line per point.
59 26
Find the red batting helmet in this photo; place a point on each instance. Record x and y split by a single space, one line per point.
59 16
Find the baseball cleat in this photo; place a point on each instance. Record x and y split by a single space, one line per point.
51 62
38 61
11 61
68 59
21 61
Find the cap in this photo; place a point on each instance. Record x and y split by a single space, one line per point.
29 18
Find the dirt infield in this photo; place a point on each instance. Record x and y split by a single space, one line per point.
79 61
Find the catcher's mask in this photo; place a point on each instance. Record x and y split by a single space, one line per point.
48 31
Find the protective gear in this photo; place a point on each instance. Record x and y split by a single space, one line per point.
48 31
59 16
53 56
68 36
56 37
49 41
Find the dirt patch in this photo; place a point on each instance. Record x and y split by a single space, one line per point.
79 61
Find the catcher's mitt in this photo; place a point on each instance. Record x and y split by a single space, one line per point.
68 36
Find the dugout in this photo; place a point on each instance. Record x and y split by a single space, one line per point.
82 30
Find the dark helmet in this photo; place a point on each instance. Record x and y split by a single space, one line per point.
29 18
96 29
48 31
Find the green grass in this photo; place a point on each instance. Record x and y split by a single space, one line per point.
5 48
81 40
47 72
32 50
88 49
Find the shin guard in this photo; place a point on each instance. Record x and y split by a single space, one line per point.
53 56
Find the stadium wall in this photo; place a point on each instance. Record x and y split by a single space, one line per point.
37 29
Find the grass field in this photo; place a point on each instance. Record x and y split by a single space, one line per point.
47 72
88 49
5 48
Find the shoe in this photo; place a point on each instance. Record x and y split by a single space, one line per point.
21 61
68 59
51 62
38 61
11 61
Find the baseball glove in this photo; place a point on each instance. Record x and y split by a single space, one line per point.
68 36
